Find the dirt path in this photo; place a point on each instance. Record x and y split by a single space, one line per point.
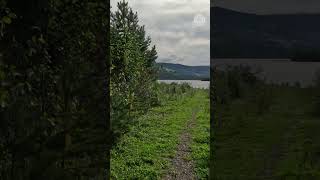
183 169
277 153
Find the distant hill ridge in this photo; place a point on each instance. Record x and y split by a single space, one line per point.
246 35
169 71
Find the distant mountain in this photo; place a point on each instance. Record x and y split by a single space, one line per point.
168 71
244 35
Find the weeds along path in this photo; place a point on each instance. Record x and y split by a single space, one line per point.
292 117
192 157
147 150
183 168
281 143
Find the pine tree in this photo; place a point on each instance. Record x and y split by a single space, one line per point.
133 72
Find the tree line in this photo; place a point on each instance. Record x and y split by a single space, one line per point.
68 67
53 89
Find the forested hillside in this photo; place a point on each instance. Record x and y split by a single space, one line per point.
53 89
249 35
168 71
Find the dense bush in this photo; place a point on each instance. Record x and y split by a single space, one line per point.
241 81
219 88
232 83
53 75
173 91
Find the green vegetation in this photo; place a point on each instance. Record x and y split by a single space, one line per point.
144 152
169 71
56 83
53 93
133 71
148 117
201 139
266 131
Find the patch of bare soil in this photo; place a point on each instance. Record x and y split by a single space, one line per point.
183 168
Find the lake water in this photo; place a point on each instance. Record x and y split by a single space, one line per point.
193 83
274 70
277 70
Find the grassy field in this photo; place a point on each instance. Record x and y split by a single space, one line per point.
200 141
146 150
280 143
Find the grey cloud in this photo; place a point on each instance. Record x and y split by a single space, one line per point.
169 24
271 6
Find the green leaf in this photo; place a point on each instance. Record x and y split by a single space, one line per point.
12 15
3 104
34 39
32 51
6 20
42 40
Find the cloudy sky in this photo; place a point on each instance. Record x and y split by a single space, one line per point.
180 29
270 6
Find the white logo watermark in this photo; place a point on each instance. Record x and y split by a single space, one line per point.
199 20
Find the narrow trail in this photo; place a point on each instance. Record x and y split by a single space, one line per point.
183 168
278 151
273 158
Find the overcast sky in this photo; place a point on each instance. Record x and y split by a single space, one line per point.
270 6
180 29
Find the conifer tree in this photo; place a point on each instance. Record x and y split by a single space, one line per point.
133 72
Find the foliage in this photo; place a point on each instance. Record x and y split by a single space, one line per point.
233 83
200 145
145 150
270 127
263 97
174 91
53 75
133 72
